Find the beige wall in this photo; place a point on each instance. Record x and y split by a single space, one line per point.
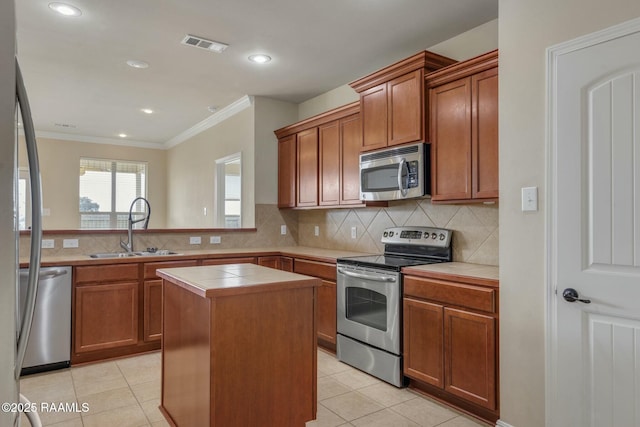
191 172
60 163
526 30
269 116
474 42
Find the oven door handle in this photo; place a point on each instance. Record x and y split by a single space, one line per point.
366 276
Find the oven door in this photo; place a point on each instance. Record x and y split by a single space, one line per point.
369 306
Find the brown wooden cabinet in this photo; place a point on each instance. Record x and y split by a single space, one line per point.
236 260
463 121
392 101
307 168
287 172
278 262
326 165
450 342
326 304
105 308
339 147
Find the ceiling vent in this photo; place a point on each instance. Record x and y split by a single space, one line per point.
205 44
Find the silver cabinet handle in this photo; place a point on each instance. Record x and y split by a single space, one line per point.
366 276
36 221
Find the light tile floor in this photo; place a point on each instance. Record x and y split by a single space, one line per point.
126 393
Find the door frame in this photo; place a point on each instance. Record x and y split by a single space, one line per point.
553 53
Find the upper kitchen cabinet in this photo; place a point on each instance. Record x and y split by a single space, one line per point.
392 101
318 160
463 122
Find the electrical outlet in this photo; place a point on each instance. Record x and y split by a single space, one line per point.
316 231
195 240
215 240
48 244
204 211
354 232
283 229
70 243
46 212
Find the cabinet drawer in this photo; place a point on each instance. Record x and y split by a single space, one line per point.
474 297
322 270
106 273
222 261
151 267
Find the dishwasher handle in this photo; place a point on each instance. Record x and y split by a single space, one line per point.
366 276
45 273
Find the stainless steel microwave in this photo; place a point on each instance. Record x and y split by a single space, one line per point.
395 173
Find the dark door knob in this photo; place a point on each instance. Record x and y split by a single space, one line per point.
571 295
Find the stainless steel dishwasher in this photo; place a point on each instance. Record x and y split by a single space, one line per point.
49 345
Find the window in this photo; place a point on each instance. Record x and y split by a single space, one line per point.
24 200
107 188
229 191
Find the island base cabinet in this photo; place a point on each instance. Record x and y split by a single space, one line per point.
239 360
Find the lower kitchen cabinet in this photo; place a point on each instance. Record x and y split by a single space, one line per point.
326 304
106 316
450 343
152 313
278 262
238 260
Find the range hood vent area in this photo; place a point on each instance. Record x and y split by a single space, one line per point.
200 43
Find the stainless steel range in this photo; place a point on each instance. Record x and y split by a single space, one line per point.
370 298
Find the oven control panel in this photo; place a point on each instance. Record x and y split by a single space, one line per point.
424 236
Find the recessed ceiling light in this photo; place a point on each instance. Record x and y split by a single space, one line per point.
137 64
147 110
260 58
122 135
212 108
65 9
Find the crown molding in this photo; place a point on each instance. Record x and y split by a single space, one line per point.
220 116
98 140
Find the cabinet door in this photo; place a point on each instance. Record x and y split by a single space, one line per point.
450 123
307 166
470 356
287 172
406 109
329 151
373 108
327 312
106 316
152 310
484 142
351 143
423 341
286 263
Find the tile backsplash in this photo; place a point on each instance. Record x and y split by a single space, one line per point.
475 237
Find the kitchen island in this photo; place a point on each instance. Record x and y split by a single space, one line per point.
239 346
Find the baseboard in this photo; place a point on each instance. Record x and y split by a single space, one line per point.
501 423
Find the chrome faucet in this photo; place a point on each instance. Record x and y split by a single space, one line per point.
128 246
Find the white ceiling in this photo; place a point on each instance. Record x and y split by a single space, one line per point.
75 70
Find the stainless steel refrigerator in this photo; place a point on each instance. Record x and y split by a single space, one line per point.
14 331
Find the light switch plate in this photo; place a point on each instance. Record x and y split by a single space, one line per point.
195 240
529 199
48 244
46 212
70 243
215 240
354 232
283 229
316 231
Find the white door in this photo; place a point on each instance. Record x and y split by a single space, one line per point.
594 352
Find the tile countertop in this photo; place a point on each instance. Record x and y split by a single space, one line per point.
477 274
234 279
316 254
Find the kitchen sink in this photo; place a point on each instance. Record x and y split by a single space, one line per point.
113 255
132 254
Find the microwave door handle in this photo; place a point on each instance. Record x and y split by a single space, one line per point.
401 187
